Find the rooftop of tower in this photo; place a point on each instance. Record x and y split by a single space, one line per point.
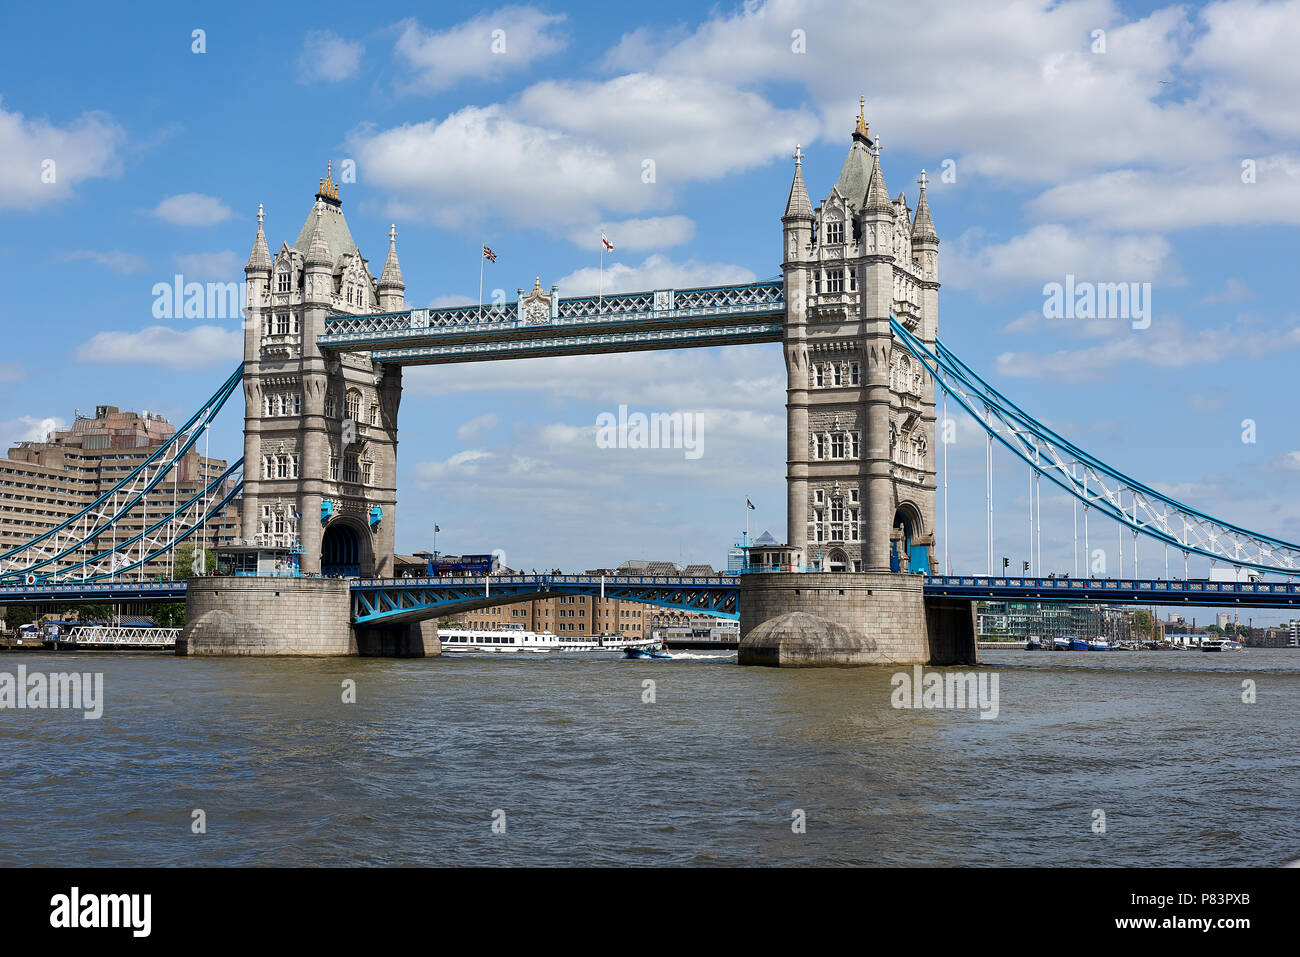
855 175
334 228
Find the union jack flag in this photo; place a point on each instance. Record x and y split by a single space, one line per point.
489 255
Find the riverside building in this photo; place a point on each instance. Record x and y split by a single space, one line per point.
45 483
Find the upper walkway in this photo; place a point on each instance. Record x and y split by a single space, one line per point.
542 325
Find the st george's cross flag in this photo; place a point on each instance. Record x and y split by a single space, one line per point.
605 241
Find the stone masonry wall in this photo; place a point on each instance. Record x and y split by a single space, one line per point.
267 617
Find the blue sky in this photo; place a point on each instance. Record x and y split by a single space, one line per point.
1121 164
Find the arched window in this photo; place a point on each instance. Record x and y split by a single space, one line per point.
282 281
354 405
331 406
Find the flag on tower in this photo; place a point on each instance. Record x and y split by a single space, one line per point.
749 504
437 528
605 241
489 255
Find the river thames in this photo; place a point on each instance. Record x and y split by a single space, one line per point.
580 769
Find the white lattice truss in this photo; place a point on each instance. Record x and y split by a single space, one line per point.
109 554
1096 485
119 637
88 539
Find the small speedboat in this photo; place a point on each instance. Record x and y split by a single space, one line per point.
1098 644
645 654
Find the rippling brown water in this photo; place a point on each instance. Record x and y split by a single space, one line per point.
710 773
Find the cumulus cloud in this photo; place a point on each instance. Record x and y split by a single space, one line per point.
486 47
164 346
567 155
192 209
45 162
327 57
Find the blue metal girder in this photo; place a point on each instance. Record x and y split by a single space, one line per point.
101 591
396 600
1116 591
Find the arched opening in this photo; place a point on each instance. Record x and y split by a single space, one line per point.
837 561
904 553
340 552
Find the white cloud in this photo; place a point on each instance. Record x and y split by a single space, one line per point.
464 464
737 378
475 427
11 372
225 265
654 272
1248 49
1167 344
164 346
1047 253
654 232
114 259
1209 195
192 209
328 57
87 148
487 46
565 156
28 429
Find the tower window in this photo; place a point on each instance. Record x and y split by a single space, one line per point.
834 233
282 281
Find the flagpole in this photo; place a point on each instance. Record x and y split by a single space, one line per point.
600 296
481 256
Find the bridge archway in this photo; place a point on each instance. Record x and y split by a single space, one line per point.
343 551
837 561
907 531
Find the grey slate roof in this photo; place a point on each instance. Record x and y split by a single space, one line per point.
855 174
334 230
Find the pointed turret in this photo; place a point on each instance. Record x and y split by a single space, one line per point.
877 199
798 206
391 286
259 260
922 224
318 250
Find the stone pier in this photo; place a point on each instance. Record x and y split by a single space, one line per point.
851 618
290 617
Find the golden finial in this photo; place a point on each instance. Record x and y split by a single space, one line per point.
327 187
861 126
537 284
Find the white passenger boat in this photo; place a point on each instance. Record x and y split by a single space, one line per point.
515 638
1221 644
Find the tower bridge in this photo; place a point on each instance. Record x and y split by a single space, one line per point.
856 311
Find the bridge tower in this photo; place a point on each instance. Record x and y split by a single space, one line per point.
320 429
860 413
860 434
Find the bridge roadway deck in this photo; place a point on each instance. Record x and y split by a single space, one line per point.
386 599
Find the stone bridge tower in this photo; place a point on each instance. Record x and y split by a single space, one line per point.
860 432
320 429
860 409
